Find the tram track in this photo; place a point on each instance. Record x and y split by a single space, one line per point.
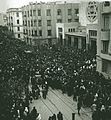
55 101
59 109
65 97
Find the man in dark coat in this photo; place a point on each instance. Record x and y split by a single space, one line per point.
79 104
60 116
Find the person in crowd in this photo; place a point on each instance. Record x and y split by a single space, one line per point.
79 104
70 69
54 117
60 116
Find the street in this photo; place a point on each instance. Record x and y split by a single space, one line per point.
55 102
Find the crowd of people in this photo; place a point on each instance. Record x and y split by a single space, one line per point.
73 71
59 116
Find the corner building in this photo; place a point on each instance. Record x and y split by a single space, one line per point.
104 39
39 20
15 22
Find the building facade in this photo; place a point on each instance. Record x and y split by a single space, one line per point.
15 22
39 20
62 29
76 39
83 34
88 17
104 39
3 19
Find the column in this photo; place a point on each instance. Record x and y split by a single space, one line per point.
79 43
72 41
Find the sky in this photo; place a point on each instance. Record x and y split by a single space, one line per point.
5 4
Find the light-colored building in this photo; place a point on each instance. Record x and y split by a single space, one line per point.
40 20
104 39
83 33
62 29
15 22
76 39
3 19
88 17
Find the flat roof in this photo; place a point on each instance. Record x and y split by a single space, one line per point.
81 34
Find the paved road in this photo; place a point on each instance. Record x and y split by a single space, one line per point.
55 102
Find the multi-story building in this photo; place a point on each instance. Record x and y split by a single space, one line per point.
85 34
62 29
39 20
3 19
104 39
15 22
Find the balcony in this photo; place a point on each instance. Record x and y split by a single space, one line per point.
105 35
105 56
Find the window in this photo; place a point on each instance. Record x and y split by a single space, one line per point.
26 23
39 22
30 12
76 20
11 18
48 22
35 22
106 3
76 11
34 12
73 29
59 29
32 33
35 32
17 21
69 11
92 33
18 28
69 20
49 33
18 35
59 12
29 23
68 30
40 32
17 14
105 46
23 31
39 12
59 20
23 23
26 31
25 13
106 22
48 12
